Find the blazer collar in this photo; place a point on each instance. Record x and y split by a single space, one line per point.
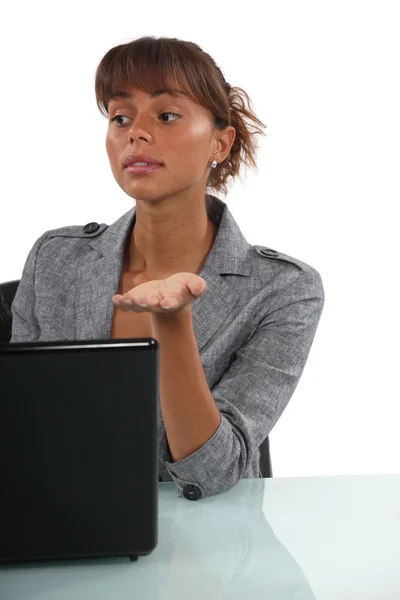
99 275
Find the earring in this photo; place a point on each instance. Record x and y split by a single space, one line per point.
213 164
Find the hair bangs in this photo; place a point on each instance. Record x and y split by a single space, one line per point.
146 68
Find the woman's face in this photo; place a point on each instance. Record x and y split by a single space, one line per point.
174 130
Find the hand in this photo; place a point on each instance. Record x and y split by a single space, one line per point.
163 296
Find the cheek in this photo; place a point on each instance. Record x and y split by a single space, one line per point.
114 155
199 134
110 145
192 143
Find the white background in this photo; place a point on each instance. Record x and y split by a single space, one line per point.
324 77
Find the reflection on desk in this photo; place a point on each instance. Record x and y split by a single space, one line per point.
226 547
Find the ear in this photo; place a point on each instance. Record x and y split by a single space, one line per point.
224 142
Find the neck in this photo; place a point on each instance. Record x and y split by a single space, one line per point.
169 237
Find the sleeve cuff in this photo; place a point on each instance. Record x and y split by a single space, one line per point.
207 467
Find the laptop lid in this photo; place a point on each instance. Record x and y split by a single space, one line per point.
78 449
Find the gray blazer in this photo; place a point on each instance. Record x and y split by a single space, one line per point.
254 329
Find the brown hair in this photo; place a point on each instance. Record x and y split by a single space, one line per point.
149 63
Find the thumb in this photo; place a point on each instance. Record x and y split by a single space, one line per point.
198 286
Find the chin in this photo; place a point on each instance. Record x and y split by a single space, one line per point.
146 197
147 194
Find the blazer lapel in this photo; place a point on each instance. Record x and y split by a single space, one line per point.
98 279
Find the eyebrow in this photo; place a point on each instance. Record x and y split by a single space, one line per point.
154 94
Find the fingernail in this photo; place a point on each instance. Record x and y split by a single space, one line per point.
129 302
144 305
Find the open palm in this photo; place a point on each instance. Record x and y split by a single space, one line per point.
163 295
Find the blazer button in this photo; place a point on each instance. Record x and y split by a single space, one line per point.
192 492
91 228
266 251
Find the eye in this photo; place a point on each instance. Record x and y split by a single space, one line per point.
118 117
124 117
170 113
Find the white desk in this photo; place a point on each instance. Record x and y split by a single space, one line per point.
323 538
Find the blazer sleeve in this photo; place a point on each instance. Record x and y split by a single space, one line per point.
255 390
25 327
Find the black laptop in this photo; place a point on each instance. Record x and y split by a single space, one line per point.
78 449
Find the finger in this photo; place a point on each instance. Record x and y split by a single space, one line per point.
127 304
169 303
197 288
120 305
146 301
137 304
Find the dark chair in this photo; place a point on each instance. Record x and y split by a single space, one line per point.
7 293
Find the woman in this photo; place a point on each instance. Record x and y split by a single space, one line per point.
235 322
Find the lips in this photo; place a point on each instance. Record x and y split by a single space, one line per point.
132 158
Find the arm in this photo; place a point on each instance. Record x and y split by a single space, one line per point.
25 327
190 414
250 396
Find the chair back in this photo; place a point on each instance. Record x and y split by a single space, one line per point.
265 459
7 293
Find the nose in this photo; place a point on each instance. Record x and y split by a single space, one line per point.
140 128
